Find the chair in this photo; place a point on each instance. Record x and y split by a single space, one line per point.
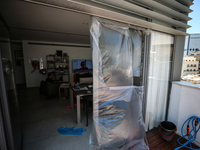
89 105
48 89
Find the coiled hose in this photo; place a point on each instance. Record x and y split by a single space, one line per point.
191 134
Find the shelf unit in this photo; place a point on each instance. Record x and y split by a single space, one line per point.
60 66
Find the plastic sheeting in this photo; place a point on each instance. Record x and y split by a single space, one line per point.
136 37
117 105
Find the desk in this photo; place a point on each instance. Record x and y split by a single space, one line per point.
79 94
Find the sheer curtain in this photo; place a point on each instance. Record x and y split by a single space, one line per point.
158 78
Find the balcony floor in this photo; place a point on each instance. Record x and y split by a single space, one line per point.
157 143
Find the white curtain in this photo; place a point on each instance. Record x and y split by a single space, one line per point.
158 78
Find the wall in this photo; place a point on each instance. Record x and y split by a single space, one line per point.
19 70
41 50
184 103
178 58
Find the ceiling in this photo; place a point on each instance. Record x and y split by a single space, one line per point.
3 31
28 21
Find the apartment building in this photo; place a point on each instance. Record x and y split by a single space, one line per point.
192 44
190 66
197 56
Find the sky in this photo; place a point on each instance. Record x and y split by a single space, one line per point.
195 15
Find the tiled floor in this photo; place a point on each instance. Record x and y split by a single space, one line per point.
42 117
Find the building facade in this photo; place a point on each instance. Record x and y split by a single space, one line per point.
197 56
192 44
190 66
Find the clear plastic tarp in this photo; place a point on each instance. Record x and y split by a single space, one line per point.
117 104
136 37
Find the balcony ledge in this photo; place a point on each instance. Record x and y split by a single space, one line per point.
182 83
184 103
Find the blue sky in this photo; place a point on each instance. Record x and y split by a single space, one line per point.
195 15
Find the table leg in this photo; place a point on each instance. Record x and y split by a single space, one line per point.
71 99
78 109
59 94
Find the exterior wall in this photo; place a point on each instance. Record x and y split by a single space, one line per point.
184 100
190 66
197 56
40 51
178 57
198 59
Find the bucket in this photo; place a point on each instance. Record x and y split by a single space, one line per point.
167 130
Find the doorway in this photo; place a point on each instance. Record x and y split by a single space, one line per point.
10 122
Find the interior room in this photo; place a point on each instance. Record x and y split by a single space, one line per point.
38 36
37 32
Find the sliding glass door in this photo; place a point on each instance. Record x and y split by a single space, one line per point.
10 127
159 69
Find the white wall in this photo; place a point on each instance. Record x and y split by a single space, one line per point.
40 51
19 70
184 103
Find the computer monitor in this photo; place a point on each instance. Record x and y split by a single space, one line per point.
82 65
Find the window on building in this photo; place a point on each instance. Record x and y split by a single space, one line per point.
188 65
191 65
190 69
195 65
194 69
187 69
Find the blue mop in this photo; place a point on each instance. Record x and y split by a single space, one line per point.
71 131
